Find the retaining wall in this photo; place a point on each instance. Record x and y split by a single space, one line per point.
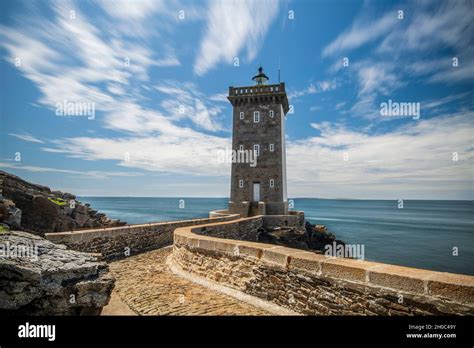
314 284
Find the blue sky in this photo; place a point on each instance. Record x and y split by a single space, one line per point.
142 62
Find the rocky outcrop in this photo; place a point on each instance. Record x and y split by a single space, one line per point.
311 237
37 209
38 277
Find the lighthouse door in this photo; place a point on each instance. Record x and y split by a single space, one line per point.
256 191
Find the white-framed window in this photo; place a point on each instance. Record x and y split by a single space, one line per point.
241 148
272 147
256 116
241 183
256 149
272 183
272 113
241 115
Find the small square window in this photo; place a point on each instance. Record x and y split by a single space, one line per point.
272 183
256 117
272 113
241 148
272 147
241 115
256 149
241 183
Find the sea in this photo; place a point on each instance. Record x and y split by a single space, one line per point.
435 235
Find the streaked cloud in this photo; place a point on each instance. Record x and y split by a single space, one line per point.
187 101
27 137
361 33
314 88
234 26
409 162
90 173
192 154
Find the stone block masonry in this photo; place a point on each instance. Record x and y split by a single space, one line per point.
313 284
117 242
258 125
242 229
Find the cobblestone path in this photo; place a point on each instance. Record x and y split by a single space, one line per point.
148 287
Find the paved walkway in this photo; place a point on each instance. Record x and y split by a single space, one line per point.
146 286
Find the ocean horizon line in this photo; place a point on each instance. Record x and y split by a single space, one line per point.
319 198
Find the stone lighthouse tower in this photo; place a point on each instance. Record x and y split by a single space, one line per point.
259 188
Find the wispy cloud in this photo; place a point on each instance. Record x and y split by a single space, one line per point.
73 59
432 24
445 26
234 26
133 10
194 154
374 79
90 173
428 30
69 59
361 33
408 162
314 88
187 101
27 137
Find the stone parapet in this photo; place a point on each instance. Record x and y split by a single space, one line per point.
116 242
314 284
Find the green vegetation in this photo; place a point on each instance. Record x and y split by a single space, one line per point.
57 201
3 229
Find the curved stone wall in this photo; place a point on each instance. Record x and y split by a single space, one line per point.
313 284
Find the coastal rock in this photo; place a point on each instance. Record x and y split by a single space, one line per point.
37 209
38 277
319 228
289 237
9 214
318 237
311 237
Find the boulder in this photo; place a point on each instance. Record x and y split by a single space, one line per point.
9 213
320 229
38 277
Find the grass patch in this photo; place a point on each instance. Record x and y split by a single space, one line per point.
58 201
3 229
